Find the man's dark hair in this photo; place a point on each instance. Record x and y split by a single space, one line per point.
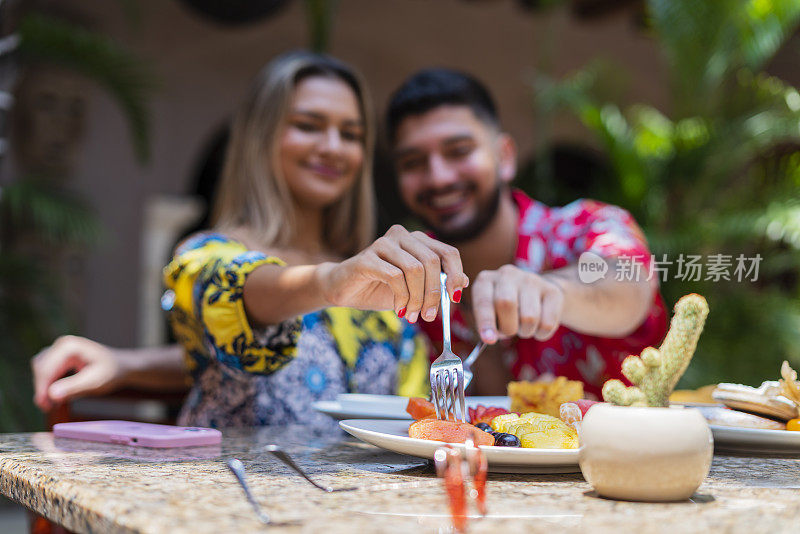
431 88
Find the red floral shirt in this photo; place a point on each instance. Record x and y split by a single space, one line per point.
551 238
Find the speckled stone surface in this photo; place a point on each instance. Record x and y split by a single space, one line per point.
92 487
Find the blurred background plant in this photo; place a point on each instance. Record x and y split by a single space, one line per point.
44 224
717 173
40 217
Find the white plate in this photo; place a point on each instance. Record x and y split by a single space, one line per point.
755 440
360 406
393 436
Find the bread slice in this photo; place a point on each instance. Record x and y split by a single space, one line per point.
766 400
722 416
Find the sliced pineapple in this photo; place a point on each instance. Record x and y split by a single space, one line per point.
500 422
550 439
542 421
537 431
518 429
534 416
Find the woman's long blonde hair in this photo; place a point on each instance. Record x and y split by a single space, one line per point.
253 192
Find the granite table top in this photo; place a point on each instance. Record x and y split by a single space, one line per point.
93 487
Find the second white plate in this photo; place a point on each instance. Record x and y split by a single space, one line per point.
752 440
361 406
393 436
755 440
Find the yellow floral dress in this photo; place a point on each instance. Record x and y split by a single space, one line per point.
245 376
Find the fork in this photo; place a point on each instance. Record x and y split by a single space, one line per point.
469 360
237 468
447 371
284 457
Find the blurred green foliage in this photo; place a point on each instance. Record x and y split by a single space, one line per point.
40 209
719 173
320 15
39 216
124 76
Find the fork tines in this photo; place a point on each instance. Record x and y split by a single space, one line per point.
447 371
447 387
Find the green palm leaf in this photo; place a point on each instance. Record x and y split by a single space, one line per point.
319 14
124 76
719 174
57 216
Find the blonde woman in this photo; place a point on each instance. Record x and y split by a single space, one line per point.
276 307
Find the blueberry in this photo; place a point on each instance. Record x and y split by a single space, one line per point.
485 427
501 439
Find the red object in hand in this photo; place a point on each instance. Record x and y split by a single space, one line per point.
448 466
453 467
479 470
483 414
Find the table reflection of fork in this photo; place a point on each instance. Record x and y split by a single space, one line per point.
454 468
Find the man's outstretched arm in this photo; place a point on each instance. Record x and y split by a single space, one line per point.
606 308
514 302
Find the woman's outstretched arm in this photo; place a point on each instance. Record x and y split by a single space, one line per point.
399 271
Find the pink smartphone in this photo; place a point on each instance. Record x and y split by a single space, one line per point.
138 434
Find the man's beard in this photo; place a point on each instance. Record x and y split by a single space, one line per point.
485 214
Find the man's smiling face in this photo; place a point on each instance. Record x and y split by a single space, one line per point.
451 168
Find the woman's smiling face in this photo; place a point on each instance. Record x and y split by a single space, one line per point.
322 142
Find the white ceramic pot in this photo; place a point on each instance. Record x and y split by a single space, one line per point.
645 454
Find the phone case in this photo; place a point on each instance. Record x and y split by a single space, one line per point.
138 434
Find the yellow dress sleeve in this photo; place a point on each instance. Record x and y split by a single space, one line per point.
413 379
207 314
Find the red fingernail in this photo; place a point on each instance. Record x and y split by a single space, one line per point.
401 313
457 296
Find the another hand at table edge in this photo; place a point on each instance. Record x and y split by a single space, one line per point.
100 369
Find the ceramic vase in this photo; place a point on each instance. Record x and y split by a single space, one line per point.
645 454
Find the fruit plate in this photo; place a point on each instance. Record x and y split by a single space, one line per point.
361 406
755 440
392 435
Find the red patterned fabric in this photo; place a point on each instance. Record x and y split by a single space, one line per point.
550 238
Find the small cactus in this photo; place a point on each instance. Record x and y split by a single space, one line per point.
656 372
